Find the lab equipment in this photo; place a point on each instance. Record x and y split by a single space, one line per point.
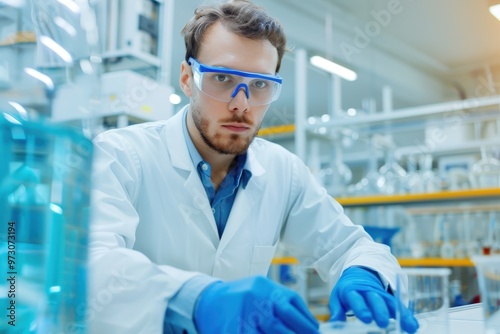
488 277
391 174
252 305
485 173
129 94
361 290
132 28
428 299
381 234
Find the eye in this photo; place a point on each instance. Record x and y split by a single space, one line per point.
260 84
221 78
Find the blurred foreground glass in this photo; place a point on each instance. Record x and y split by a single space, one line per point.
48 75
488 277
428 298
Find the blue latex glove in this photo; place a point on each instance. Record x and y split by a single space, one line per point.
360 290
252 305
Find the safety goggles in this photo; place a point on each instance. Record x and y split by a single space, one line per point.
223 83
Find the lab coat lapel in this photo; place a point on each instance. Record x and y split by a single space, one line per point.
246 199
181 160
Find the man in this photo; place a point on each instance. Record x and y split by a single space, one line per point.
187 213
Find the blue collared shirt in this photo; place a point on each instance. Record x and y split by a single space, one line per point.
179 313
222 200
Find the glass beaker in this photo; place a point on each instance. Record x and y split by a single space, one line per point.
44 199
427 298
488 277
48 75
485 173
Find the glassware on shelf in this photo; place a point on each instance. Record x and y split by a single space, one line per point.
485 173
429 181
391 174
471 245
334 174
413 179
447 250
489 241
417 249
368 184
495 248
461 247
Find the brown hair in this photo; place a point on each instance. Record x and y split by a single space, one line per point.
241 17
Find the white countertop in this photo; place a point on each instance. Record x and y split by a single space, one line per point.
462 320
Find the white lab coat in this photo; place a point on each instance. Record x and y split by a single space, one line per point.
152 225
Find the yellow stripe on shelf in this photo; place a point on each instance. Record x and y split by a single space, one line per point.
277 130
404 262
435 262
284 260
421 197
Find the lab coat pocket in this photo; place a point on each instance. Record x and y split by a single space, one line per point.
261 259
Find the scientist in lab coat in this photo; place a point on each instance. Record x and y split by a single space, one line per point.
187 212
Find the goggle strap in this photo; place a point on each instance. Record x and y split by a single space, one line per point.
207 68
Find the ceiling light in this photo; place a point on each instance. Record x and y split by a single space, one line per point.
495 8
334 68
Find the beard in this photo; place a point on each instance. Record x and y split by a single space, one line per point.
236 144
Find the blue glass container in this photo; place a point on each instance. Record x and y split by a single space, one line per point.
44 200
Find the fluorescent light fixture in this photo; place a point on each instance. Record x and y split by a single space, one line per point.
65 25
13 3
334 68
57 49
71 5
495 10
40 76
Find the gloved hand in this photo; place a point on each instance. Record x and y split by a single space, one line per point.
360 290
252 305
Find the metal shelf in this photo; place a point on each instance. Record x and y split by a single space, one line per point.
406 114
441 196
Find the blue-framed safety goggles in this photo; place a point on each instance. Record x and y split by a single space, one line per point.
223 83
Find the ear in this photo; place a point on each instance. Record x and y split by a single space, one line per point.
185 79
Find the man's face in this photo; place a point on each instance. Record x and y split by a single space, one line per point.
228 127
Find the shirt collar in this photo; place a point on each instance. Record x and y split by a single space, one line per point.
196 158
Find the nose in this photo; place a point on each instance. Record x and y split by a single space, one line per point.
239 101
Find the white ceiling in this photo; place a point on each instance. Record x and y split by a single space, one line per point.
454 32
424 51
